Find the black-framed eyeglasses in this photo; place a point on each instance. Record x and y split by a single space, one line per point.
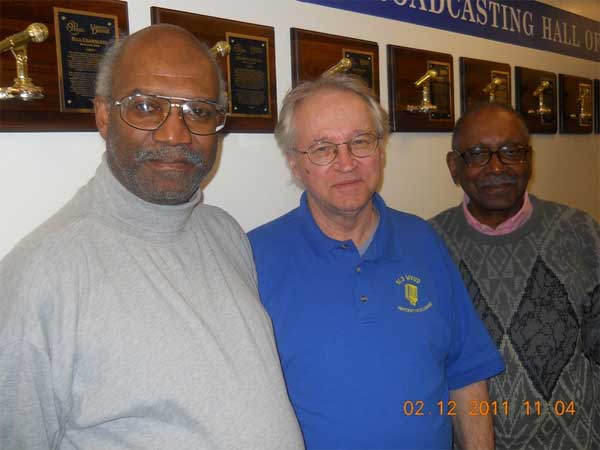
509 154
323 153
149 112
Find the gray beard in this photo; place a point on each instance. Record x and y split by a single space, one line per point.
144 190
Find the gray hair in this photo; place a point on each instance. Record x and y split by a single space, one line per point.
285 132
461 124
114 51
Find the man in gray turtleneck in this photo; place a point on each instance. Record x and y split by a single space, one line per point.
130 320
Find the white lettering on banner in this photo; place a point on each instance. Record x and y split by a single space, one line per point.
451 11
561 32
481 11
439 10
467 9
592 40
528 23
494 14
495 6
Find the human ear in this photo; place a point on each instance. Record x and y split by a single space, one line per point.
294 166
451 163
102 112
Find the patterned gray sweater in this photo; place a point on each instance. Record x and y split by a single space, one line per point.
538 291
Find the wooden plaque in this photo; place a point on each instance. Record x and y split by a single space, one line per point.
536 97
482 82
314 53
576 104
62 72
429 106
597 106
249 69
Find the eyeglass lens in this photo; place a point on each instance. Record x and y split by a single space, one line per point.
361 146
508 154
149 112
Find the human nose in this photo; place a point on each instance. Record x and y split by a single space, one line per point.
173 130
495 164
345 160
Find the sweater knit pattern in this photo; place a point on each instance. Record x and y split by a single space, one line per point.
538 291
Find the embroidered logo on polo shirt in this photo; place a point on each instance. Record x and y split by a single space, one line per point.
411 285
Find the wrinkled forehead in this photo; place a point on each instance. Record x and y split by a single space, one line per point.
333 111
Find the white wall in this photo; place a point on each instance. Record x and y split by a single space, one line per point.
39 172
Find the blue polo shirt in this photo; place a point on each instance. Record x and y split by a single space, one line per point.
370 346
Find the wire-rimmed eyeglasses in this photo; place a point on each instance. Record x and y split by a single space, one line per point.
149 112
323 153
509 154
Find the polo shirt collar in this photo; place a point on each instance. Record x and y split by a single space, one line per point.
323 246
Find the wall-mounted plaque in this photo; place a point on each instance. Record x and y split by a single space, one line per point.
249 67
536 98
314 53
81 38
248 75
361 65
597 106
483 82
64 65
575 104
420 90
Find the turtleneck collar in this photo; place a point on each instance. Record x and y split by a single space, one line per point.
114 203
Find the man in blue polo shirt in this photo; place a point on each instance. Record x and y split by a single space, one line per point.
378 339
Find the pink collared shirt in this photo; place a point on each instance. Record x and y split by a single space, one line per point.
508 226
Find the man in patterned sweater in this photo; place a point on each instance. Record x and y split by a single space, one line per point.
533 270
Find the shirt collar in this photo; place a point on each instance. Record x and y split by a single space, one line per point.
508 226
112 201
322 245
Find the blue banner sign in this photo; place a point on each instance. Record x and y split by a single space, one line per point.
521 22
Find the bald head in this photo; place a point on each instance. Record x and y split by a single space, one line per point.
163 46
471 117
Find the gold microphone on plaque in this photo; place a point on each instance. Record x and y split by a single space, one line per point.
23 88
342 66
584 103
492 87
542 109
221 49
424 83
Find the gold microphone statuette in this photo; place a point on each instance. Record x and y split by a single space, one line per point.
220 49
584 114
23 87
424 83
492 87
542 109
342 66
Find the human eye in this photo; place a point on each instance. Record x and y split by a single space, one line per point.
477 152
321 148
512 151
362 140
144 105
201 111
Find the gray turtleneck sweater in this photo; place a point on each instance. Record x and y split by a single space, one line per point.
130 325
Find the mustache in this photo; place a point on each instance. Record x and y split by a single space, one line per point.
497 180
168 154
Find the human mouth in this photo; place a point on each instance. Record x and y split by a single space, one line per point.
170 158
503 182
170 165
347 184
